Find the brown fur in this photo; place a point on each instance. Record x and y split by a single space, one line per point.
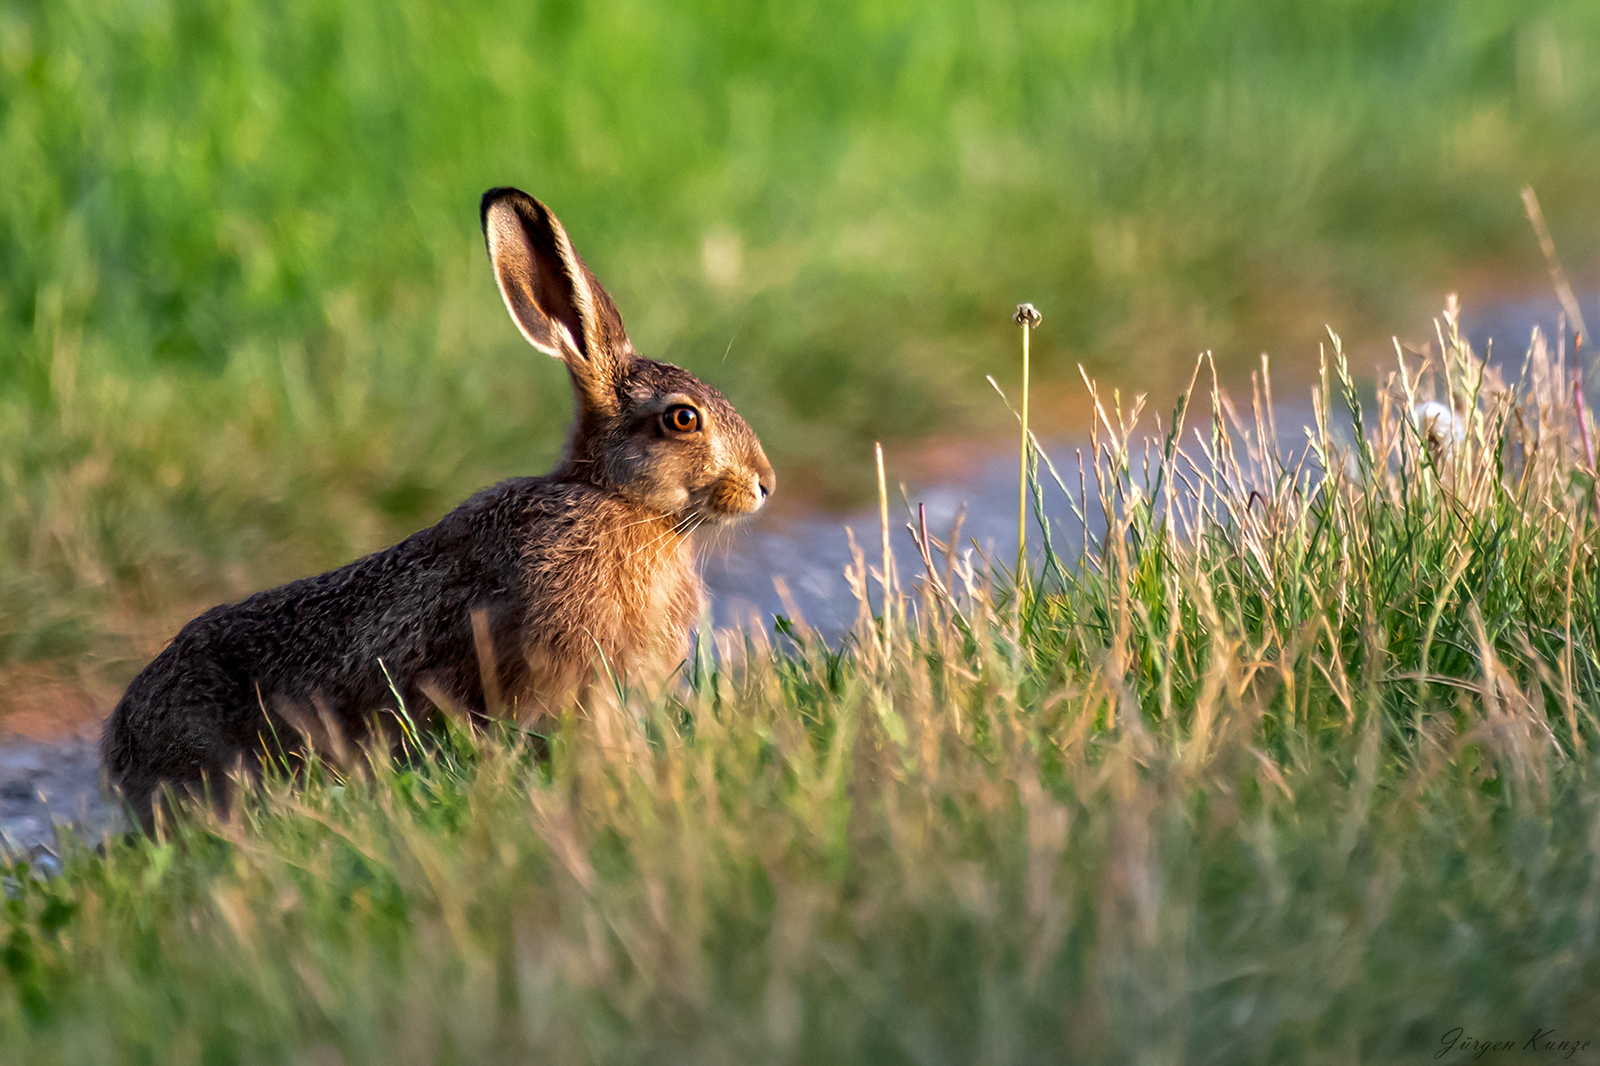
511 603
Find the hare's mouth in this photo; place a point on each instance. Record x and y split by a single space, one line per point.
716 504
726 499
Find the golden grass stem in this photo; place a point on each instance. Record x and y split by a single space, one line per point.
1558 276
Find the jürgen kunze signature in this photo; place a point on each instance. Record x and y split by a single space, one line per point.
1457 1040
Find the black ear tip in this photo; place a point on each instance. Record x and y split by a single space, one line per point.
494 196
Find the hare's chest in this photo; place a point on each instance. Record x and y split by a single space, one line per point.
659 595
604 584
625 593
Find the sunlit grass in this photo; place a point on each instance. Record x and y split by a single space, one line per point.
1296 764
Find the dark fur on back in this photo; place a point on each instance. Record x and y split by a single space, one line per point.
506 605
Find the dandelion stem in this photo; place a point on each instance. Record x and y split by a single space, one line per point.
888 556
1027 317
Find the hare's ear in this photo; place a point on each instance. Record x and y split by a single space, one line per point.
555 301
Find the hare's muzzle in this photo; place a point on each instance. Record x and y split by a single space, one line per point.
742 492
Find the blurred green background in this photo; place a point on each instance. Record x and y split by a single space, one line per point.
247 329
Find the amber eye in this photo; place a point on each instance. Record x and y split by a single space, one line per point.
681 419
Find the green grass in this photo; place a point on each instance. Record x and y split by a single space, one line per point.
1296 764
246 331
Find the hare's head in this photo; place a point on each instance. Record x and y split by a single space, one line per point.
650 432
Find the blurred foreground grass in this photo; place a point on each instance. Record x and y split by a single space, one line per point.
246 331
1298 766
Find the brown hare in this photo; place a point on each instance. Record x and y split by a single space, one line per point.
510 603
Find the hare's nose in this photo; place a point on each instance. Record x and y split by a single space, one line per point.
766 480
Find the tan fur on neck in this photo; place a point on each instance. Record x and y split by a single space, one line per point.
629 593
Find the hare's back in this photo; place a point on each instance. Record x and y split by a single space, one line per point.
344 639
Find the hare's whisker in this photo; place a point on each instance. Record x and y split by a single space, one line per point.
640 549
647 520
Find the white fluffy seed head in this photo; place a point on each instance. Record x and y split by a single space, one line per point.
1439 426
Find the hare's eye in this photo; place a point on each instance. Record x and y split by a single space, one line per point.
681 418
